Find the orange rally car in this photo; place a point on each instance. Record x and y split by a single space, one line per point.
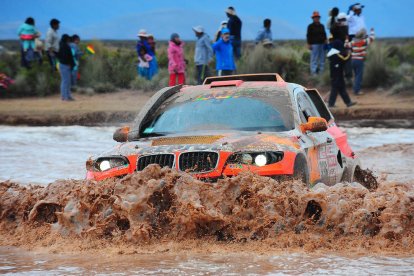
231 124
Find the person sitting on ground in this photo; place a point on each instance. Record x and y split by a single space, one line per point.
52 42
27 34
316 38
66 64
223 25
337 60
203 54
143 63
265 32
176 61
77 53
359 47
224 54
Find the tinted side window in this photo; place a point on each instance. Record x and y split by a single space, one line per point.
319 104
305 106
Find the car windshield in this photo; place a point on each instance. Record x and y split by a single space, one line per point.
229 111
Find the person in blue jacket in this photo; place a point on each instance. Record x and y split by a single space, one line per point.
224 54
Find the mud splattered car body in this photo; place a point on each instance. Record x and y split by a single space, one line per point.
231 124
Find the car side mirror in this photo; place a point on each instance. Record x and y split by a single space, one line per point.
314 124
121 134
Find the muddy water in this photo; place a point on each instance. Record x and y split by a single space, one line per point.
163 222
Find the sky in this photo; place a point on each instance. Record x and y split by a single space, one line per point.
122 19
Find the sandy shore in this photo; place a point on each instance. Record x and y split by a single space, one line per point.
121 107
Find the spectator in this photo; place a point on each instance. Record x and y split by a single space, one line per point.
224 54
340 29
265 33
66 65
27 34
356 20
337 60
176 62
234 25
218 33
77 53
143 42
203 54
52 42
332 19
316 38
38 51
359 47
143 63
267 43
151 42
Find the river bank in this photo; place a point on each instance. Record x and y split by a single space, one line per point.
375 108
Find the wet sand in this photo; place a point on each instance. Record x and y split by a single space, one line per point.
121 107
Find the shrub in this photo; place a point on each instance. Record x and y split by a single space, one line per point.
377 71
159 81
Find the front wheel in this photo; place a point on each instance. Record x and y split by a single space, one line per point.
300 170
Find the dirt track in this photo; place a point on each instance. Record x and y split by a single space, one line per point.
121 107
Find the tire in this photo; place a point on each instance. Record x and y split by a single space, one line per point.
301 170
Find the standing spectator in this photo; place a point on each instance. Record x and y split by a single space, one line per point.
223 25
176 62
52 42
27 34
234 25
66 64
336 68
143 42
316 37
356 20
224 54
340 29
265 33
359 47
77 53
143 63
152 43
332 19
38 51
203 54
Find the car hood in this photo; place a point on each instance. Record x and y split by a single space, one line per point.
217 141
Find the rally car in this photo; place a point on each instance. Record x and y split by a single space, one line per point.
231 124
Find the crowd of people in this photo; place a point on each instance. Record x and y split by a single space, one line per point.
345 46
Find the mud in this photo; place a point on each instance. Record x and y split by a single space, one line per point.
161 210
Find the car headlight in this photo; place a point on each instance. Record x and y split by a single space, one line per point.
255 158
106 163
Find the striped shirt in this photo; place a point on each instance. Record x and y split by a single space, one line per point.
359 46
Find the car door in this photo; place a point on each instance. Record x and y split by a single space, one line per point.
322 155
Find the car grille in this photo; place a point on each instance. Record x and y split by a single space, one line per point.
200 161
161 159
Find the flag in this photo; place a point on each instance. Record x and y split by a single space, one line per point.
90 49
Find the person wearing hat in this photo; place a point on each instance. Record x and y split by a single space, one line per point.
176 61
52 42
203 54
265 33
337 56
356 20
143 43
234 25
224 54
223 25
316 38
339 29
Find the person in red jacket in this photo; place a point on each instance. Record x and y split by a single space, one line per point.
176 61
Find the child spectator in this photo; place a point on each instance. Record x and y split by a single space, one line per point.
66 64
52 42
224 54
77 53
223 25
27 34
176 62
337 60
359 47
143 63
152 43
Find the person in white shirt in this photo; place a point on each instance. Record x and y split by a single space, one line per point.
356 20
52 42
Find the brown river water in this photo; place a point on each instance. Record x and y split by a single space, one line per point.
164 222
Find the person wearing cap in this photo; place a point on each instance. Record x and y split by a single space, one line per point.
316 38
337 56
224 54
234 25
356 20
203 54
176 61
52 42
223 25
339 29
143 43
265 33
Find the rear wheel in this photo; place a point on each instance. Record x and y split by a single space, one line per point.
300 170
